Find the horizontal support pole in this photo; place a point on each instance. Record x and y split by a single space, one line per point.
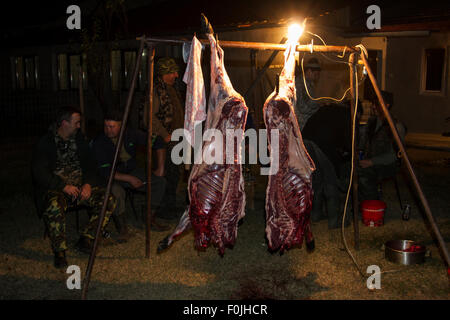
258 45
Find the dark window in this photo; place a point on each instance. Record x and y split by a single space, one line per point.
122 68
143 72
434 69
115 72
129 58
63 72
25 71
69 72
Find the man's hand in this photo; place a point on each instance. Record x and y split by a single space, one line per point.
365 163
72 191
168 138
86 191
135 182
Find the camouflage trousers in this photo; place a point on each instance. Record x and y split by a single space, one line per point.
57 203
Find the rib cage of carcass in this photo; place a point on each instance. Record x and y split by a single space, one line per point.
216 191
289 192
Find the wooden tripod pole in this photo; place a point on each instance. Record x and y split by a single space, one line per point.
151 62
80 87
353 83
111 175
408 163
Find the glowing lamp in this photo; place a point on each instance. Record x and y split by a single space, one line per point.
295 32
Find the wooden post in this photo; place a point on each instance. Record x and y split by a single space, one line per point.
408 163
111 175
353 83
83 116
261 45
151 62
253 71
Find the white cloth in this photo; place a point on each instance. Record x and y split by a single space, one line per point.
195 93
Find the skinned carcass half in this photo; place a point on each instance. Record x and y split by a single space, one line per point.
289 192
216 190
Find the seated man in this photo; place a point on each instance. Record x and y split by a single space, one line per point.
326 188
127 174
64 175
379 159
327 136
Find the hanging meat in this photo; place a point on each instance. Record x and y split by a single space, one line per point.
289 193
216 190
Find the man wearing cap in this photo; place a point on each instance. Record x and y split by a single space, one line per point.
380 153
128 174
64 177
305 106
168 115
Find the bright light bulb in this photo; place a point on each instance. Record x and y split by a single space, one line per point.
294 32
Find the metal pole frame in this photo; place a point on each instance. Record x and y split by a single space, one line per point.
258 46
353 83
314 48
151 61
261 45
111 175
81 94
408 163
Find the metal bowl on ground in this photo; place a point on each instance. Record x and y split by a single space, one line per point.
405 252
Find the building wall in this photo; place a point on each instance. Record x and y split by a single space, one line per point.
400 69
29 112
420 112
400 73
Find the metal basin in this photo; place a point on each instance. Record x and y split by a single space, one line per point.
404 252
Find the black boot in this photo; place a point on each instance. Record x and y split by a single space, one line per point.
60 260
317 206
334 212
156 225
85 244
122 228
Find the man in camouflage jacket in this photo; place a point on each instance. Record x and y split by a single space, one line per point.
64 176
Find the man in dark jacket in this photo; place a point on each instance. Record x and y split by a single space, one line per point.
128 174
380 157
64 176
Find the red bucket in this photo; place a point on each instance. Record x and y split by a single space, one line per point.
373 212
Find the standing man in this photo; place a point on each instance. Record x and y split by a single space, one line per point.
380 158
64 176
168 115
128 174
306 107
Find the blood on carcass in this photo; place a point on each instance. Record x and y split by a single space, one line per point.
289 192
216 191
